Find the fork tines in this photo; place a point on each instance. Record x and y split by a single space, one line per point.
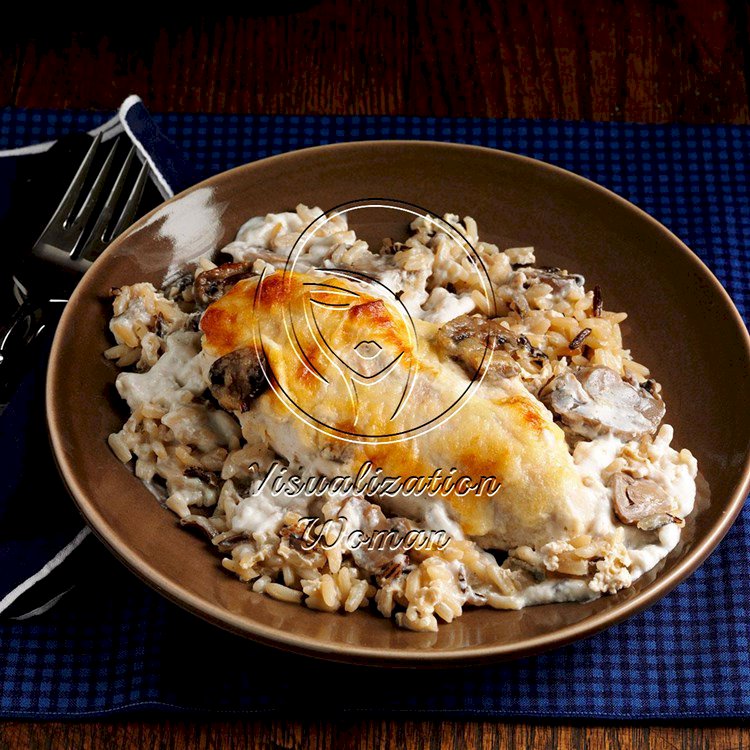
74 238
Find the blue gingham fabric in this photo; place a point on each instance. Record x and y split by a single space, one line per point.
121 647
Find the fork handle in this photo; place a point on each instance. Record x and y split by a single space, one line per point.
18 341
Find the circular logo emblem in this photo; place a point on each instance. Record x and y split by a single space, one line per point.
356 328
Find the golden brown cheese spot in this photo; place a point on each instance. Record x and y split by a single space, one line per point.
373 312
479 464
275 290
475 513
374 318
304 375
325 297
474 510
229 322
312 358
219 324
526 410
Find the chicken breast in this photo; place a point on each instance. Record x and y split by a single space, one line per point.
351 379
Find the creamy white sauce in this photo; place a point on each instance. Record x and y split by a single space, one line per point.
646 557
674 472
135 313
591 458
261 513
179 373
429 513
202 426
442 306
556 590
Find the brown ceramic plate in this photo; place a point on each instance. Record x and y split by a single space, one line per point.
682 325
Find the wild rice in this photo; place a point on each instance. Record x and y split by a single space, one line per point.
183 442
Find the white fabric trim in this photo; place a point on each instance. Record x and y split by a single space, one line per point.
108 129
162 184
11 596
41 610
36 148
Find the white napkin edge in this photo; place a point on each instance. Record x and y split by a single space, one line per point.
44 571
109 129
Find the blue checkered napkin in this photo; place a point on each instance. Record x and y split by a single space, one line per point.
40 562
122 647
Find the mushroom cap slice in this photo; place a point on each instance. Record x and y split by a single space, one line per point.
641 502
594 401
470 339
237 379
216 282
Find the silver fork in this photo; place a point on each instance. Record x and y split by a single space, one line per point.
64 240
64 251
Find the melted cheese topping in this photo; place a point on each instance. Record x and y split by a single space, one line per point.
325 400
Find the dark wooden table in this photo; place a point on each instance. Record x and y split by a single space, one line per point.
637 60
634 60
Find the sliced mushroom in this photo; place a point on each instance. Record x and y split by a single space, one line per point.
593 401
384 548
469 340
209 477
642 502
215 283
377 548
200 522
237 379
228 540
561 281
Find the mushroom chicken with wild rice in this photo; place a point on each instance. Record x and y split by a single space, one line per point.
526 366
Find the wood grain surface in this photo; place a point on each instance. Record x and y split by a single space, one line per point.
638 60
634 60
348 734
